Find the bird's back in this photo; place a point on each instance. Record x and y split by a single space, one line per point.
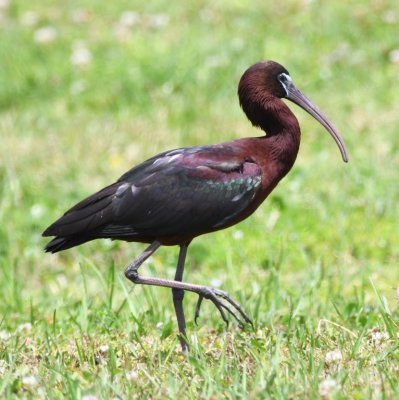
171 197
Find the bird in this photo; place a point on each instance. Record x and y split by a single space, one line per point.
177 195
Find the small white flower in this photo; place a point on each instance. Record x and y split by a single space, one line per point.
238 235
377 337
4 335
394 56
104 348
327 387
78 87
37 211
215 282
62 281
29 381
333 357
26 327
390 17
3 367
4 4
81 56
214 61
159 325
132 375
167 88
129 19
29 18
89 397
272 220
159 20
45 35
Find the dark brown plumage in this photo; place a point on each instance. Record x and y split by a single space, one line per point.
180 194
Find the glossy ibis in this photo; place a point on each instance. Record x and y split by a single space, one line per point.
180 194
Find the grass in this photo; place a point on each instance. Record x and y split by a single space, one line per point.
315 267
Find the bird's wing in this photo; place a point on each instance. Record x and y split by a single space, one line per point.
180 192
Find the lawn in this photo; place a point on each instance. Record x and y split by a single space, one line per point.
89 89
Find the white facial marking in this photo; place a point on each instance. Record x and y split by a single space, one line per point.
285 80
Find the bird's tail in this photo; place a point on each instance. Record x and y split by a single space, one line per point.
62 243
82 222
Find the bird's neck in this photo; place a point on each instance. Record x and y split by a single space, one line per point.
282 129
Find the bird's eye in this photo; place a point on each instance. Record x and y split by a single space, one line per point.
285 81
283 78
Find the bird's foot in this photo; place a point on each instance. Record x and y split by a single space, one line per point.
215 295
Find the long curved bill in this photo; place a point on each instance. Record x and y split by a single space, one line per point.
297 97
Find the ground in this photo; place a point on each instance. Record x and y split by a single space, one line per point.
89 89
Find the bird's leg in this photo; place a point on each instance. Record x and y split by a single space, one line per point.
178 295
178 288
204 292
131 269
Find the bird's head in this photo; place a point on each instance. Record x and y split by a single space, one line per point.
265 81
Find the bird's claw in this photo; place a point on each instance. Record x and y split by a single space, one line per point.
219 305
197 308
213 295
